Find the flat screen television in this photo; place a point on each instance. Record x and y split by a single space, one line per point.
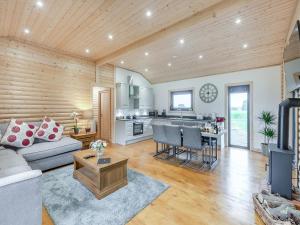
291 58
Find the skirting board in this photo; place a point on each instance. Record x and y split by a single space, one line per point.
139 139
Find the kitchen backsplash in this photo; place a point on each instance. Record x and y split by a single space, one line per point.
131 112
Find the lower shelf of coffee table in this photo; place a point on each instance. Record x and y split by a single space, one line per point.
103 181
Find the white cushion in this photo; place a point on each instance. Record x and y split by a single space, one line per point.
49 130
19 134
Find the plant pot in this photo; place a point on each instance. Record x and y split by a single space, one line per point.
76 130
265 149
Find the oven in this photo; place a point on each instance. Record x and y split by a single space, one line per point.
138 128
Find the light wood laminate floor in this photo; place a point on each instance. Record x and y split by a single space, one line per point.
222 196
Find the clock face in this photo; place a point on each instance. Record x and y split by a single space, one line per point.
208 93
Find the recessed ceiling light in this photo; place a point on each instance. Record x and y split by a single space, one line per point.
148 13
174 56
238 21
146 70
169 64
122 62
245 45
110 37
87 50
39 4
146 53
26 31
181 41
200 56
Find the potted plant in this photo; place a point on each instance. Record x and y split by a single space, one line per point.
268 131
74 115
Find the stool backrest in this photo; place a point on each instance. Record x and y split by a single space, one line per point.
173 135
159 133
192 137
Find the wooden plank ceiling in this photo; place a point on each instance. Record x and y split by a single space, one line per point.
208 28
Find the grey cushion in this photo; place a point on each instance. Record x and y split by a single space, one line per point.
52 162
8 158
11 163
48 149
7 152
13 170
3 127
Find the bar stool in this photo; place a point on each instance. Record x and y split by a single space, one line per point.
192 140
159 137
173 138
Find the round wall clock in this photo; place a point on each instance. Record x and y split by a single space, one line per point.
208 93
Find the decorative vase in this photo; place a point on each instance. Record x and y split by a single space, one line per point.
76 130
100 153
265 149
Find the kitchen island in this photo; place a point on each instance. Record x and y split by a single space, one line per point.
220 137
130 130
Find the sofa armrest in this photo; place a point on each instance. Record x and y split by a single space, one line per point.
21 199
19 177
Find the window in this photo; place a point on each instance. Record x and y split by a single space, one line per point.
181 100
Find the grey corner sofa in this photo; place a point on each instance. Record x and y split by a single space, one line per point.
20 177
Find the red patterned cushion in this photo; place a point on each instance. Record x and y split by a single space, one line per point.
19 134
49 130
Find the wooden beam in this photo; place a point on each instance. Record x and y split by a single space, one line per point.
176 27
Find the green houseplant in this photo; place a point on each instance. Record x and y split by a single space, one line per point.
269 133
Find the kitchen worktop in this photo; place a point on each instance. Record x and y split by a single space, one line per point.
137 118
176 118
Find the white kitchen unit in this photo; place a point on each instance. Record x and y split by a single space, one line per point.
122 96
125 134
146 98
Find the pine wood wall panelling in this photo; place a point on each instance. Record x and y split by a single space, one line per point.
35 82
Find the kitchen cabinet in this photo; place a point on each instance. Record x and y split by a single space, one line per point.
146 98
122 96
124 131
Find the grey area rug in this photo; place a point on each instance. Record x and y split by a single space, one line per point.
69 203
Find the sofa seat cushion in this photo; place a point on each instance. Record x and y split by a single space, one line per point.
9 158
48 149
14 170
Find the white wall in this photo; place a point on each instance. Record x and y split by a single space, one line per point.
138 79
291 68
266 93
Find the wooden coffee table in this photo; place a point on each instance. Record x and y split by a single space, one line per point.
100 179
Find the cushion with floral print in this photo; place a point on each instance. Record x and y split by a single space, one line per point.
49 130
19 134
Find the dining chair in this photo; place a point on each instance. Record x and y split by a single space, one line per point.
159 137
192 140
173 138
